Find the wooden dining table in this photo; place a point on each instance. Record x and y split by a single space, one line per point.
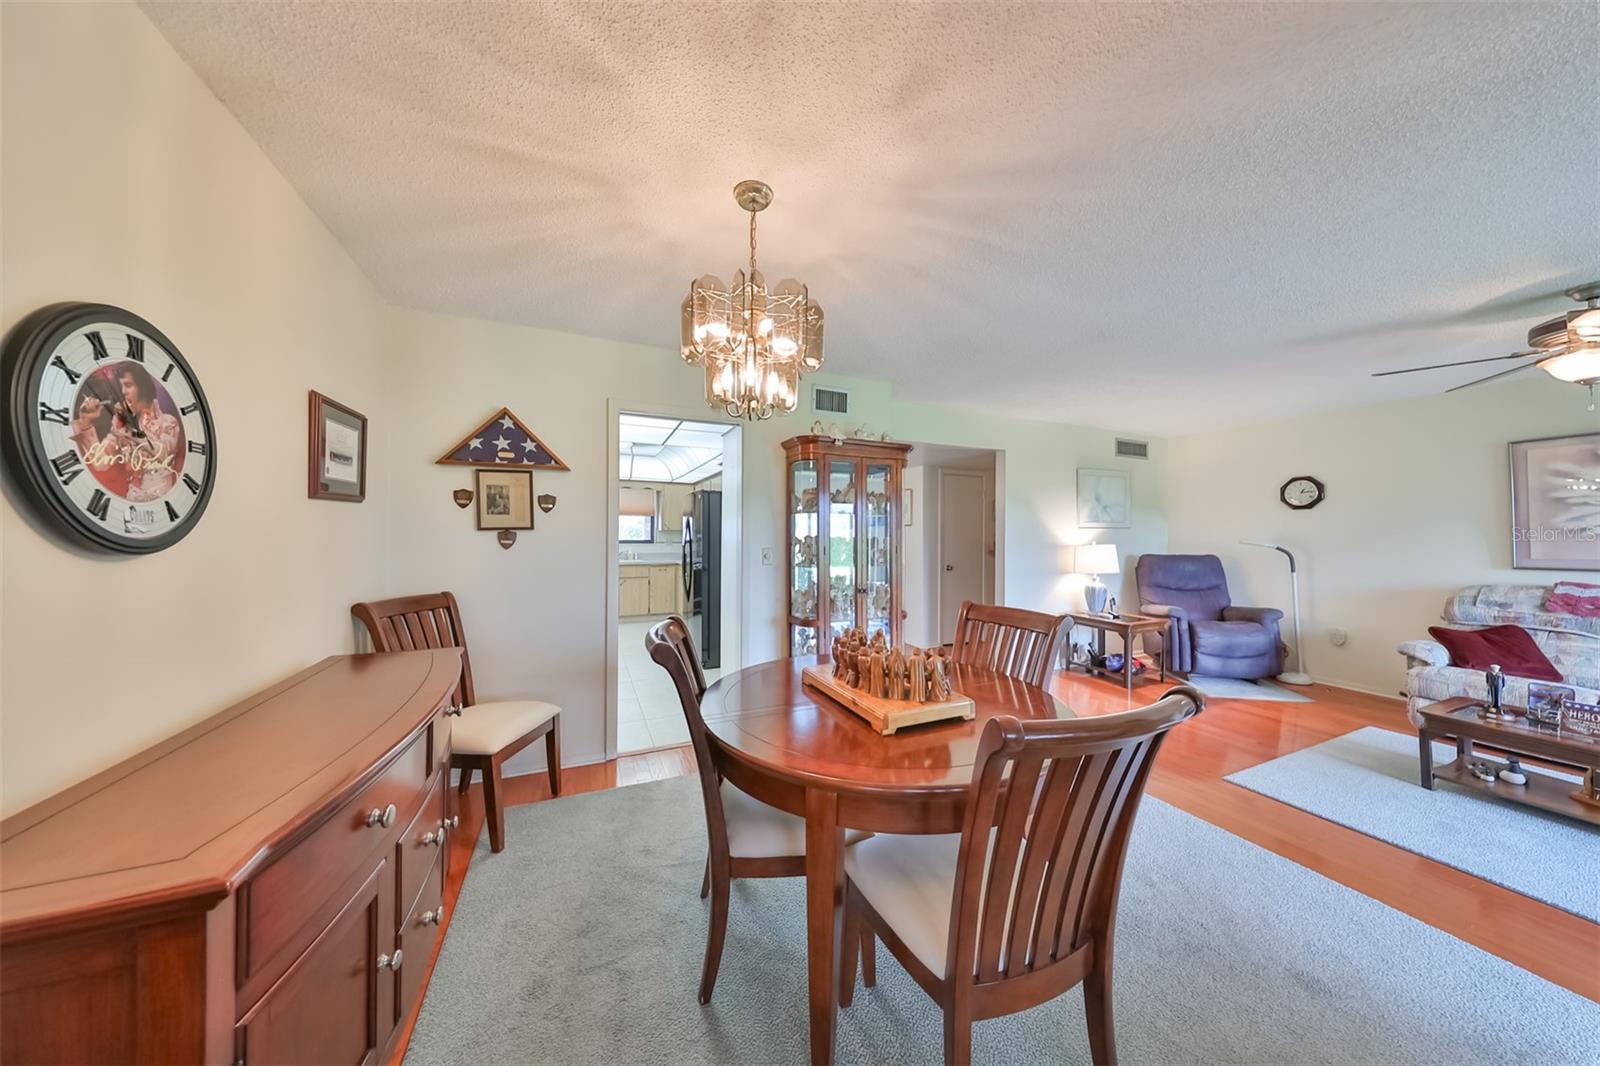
793 747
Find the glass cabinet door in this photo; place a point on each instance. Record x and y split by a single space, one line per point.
878 588
805 572
841 574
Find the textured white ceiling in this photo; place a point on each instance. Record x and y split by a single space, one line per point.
1161 218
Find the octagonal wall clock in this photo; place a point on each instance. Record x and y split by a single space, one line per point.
109 435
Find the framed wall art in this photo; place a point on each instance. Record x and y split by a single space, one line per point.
1555 503
337 465
1105 499
505 499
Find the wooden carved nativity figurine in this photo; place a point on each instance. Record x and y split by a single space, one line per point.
889 673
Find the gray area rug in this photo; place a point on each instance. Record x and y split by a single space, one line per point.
1367 780
582 942
1232 688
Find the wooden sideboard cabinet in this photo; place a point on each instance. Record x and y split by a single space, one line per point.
264 887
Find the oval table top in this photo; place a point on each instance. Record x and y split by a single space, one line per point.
770 717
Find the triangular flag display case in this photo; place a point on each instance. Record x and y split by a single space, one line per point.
502 441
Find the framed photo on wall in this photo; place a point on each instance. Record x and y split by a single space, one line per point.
505 499
1105 499
337 466
1555 503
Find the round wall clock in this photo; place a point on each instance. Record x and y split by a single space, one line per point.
1302 493
110 433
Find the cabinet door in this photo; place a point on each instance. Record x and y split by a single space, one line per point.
633 592
334 1005
664 583
669 507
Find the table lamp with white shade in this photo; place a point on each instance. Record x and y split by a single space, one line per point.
1095 560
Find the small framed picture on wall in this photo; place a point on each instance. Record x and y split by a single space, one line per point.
337 466
505 499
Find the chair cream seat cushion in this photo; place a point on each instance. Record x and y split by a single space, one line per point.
759 831
485 728
910 882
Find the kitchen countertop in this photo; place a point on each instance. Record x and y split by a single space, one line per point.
649 562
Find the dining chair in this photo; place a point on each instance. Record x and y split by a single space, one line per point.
485 735
748 838
1009 640
1021 905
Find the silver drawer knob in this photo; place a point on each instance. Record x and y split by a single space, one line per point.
391 962
431 917
385 817
434 837
453 711
453 822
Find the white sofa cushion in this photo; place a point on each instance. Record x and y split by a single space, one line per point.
485 728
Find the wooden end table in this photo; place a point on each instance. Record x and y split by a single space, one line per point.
1458 718
1128 626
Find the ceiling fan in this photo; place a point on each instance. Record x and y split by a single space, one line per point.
1566 347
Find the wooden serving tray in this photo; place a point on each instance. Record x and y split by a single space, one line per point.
886 716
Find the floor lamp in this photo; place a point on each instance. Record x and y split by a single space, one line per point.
1290 677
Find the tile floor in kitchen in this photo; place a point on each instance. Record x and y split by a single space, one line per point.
648 713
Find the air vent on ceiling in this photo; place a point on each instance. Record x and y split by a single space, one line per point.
830 401
1133 449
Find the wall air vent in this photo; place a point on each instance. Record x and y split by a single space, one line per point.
1133 449
829 401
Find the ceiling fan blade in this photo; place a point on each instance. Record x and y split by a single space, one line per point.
1491 377
1464 362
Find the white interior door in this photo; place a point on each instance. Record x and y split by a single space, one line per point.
961 559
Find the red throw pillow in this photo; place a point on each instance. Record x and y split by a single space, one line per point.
1511 647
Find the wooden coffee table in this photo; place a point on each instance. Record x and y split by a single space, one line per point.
1458 718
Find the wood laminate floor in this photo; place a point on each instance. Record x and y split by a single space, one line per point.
1231 735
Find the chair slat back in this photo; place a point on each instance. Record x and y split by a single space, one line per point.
1021 644
1048 816
672 647
412 623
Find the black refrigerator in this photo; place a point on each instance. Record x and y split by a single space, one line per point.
702 574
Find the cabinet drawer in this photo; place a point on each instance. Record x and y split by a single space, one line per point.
419 931
423 841
280 904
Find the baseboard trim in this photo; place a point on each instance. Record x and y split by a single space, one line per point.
1349 687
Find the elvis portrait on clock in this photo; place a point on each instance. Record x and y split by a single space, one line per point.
128 433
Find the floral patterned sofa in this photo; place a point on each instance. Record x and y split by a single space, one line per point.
1571 643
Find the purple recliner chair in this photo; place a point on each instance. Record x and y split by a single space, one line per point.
1208 635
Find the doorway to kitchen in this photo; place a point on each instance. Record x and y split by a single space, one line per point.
673 495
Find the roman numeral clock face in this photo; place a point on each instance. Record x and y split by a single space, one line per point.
109 429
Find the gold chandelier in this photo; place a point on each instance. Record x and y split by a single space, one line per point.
754 343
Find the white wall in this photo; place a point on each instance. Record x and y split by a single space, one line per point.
125 181
1418 505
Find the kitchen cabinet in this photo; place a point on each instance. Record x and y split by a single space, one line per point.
674 501
633 591
654 589
665 582
844 539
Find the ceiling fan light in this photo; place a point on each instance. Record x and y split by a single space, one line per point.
1586 324
1580 365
